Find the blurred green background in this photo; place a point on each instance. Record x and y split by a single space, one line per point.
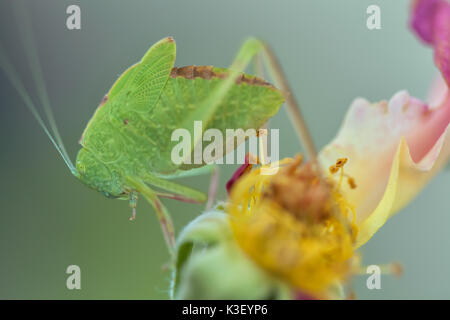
49 220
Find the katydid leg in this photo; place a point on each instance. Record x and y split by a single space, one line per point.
161 212
173 187
296 116
177 197
207 169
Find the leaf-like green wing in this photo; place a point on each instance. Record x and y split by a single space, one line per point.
140 86
248 104
132 129
137 89
121 82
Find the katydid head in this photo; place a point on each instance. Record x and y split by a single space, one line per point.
96 175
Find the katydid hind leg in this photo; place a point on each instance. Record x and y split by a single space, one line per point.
206 169
295 114
177 197
185 194
173 187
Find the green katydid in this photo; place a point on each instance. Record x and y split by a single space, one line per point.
126 144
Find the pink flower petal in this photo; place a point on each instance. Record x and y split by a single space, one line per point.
421 19
438 92
442 40
247 166
431 21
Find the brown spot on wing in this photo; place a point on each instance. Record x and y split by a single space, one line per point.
104 100
186 72
207 72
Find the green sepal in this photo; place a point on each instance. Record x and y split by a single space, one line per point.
210 228
210 265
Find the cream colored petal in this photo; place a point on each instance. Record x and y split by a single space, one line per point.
370 138
406 179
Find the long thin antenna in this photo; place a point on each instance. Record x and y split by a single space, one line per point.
26 36
18 85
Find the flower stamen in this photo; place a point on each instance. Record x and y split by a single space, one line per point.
337 195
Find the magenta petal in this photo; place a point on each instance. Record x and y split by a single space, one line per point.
442 40
239 173
422 21
431 22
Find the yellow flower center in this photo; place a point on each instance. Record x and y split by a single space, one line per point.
295 225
